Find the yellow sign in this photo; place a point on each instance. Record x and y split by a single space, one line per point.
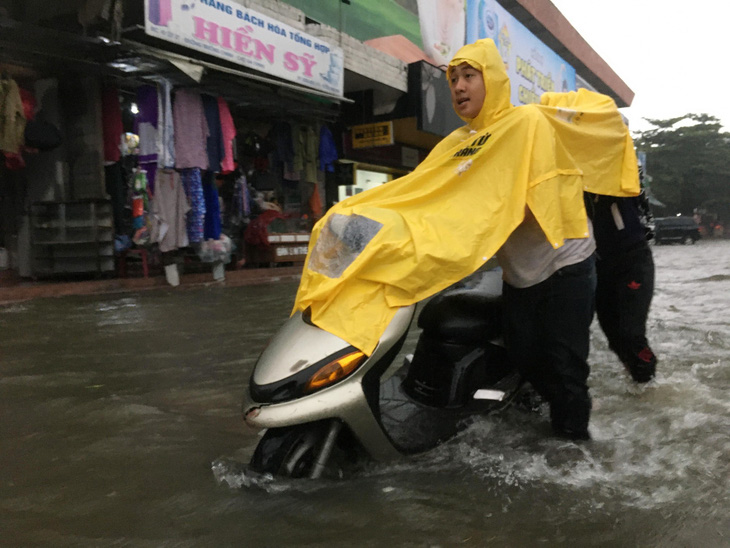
372 135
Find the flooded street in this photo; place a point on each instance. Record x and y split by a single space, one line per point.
121 426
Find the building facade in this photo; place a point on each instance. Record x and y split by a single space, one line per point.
298 105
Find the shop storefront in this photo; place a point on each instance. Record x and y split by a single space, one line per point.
165 155
259 116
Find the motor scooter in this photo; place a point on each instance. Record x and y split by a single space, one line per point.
325 405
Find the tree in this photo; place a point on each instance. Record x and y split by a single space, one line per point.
688 161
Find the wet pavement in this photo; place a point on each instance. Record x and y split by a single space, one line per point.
121 427
14 288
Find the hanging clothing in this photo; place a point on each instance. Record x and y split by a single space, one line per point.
306 144
169 209
241 202
228 128
140 181
150 168
191 130
315 202
111 124
281 136
247 199
12 117
214 143
193 185
166 125
145 124
212 230
140 197
327 150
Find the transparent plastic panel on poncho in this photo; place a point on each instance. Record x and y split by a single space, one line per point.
340 242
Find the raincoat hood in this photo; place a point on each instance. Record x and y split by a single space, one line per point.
484 56
402 242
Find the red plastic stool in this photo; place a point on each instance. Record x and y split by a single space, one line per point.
140 252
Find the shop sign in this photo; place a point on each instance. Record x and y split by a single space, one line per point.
230 31
533 68
372 135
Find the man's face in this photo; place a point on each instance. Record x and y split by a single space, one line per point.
467 90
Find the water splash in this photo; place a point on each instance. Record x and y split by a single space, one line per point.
237 475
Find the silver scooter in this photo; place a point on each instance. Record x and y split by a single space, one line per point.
326 405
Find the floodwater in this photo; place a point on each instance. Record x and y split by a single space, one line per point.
120 426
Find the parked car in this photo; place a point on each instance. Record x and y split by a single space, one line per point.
676 230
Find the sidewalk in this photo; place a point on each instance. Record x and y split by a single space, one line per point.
16 289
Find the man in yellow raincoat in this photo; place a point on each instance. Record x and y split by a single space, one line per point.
510 182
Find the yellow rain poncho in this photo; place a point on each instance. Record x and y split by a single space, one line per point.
399 243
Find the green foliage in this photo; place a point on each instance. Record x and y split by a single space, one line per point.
688 162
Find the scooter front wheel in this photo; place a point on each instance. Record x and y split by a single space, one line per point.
301 451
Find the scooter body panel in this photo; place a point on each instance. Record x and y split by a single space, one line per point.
296 346
299 344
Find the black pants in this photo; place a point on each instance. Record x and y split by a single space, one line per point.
623 296
547 334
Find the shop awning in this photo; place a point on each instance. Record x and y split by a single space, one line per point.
188 64
35 51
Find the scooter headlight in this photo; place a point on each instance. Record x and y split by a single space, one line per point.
334 371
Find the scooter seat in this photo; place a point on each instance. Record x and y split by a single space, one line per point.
463 316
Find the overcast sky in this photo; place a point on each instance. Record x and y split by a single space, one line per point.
673 55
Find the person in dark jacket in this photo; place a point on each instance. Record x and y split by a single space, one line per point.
625 278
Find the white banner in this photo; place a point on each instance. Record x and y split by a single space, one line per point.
232 32
443 26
